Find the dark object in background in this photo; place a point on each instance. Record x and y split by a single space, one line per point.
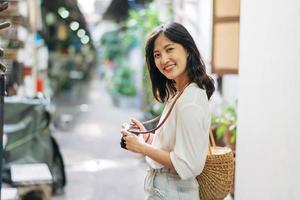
2 68
1 52
3 25
13 78
3 5
29 139
34 195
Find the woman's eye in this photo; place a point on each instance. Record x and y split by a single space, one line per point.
169 49
156 55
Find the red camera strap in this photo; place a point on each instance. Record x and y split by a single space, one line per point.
157 118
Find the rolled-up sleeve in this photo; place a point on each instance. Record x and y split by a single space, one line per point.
191 145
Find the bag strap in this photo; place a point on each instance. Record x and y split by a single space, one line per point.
156 118
212 142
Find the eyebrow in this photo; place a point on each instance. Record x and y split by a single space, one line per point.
166 46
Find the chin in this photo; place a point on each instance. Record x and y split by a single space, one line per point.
169 76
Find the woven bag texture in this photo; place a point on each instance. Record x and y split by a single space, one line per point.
216 179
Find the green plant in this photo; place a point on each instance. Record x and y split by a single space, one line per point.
142 22
110 43
122 82
226 122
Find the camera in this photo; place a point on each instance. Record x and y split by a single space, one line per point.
123 144
130 128
127 127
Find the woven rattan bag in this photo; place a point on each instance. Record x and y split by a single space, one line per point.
216 179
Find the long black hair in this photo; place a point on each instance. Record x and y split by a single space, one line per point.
164 88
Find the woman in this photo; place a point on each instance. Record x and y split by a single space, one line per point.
176 153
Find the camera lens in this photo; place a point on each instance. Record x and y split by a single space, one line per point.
123 144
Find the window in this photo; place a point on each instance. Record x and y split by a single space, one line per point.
225 38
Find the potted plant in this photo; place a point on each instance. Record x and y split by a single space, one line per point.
224 126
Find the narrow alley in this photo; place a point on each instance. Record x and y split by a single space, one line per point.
88 135
73 71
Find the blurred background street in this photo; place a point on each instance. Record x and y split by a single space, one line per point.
96 166
72 71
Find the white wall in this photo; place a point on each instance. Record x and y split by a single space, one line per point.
205 29
230 88
268 143
197 18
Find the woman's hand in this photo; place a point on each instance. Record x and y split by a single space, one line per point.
133 142
138 125
137 144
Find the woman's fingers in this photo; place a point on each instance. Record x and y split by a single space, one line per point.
133 125
137 124
133 142
124 132
135 121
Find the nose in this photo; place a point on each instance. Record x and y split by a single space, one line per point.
164 59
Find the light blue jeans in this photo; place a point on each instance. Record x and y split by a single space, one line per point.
163 184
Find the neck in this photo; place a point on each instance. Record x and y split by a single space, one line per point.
182 85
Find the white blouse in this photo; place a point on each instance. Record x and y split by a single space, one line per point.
185 133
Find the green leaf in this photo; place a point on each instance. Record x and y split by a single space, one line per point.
220 131
233 138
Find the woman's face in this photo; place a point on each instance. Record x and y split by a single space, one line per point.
170 58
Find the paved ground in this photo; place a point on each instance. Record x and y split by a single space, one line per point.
88 135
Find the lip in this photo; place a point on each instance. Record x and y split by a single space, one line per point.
169 68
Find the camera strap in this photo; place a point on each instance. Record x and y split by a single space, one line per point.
158 117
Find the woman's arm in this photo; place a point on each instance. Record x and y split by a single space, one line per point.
158 155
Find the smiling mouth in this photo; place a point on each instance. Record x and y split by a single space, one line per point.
168 68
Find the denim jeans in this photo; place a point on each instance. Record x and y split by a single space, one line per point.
163 184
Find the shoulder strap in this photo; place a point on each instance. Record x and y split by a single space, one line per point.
156 118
